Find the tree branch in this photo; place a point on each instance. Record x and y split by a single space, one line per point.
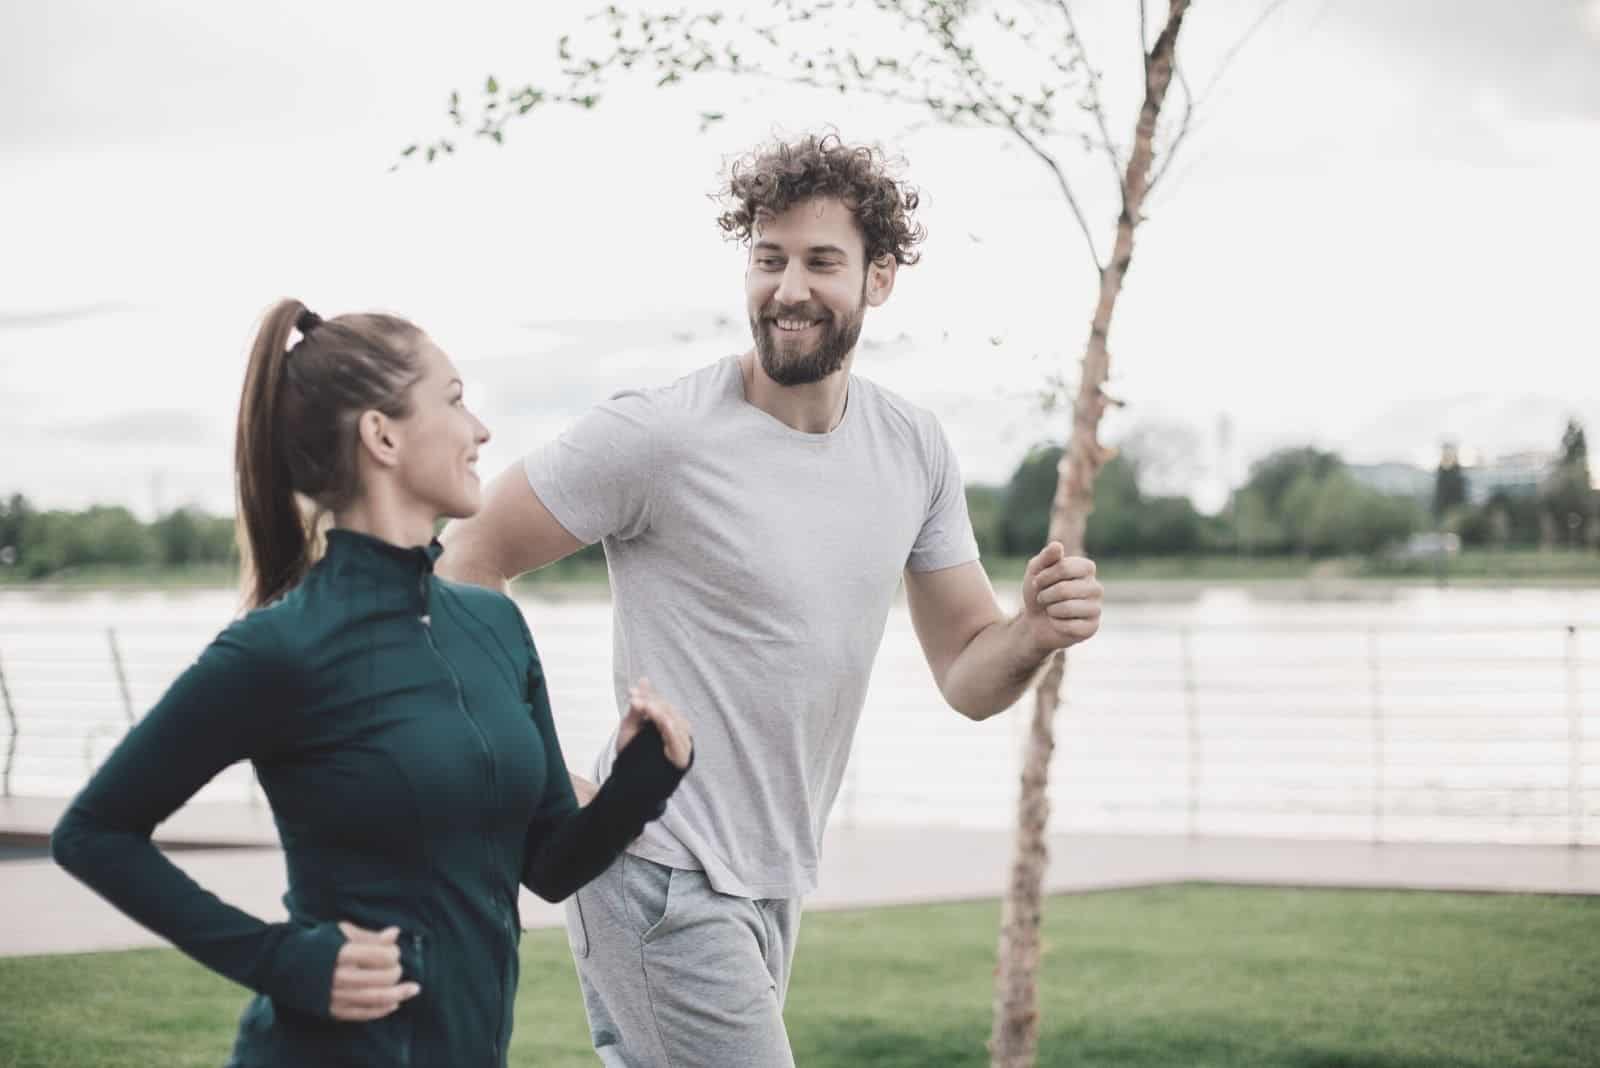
1183 127
977 84
1228 57
1144 37
1066 188
1096 107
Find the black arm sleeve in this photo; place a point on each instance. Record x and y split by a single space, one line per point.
567 846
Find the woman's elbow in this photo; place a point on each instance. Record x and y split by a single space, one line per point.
546 888
69 842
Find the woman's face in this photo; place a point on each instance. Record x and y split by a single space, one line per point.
438 462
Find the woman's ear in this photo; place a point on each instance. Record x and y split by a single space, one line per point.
379 438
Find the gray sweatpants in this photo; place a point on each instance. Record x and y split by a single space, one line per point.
676 975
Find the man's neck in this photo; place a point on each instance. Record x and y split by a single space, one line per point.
814 408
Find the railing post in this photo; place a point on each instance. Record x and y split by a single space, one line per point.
122 676
1375 688
1574 743
11 743
1191 708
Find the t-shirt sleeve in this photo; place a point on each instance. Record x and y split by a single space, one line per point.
597 477
946 537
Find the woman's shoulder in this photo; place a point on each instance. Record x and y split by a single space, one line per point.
263 634
494 608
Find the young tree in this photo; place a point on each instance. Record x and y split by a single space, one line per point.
1017 68
1449 484
1568 494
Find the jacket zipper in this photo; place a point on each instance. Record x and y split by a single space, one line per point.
483 743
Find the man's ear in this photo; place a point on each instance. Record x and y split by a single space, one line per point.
379 438
880 280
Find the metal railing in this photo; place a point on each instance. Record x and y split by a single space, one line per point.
1450 731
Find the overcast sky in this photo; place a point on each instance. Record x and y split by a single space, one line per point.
1384 234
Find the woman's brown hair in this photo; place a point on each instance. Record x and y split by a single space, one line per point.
295 448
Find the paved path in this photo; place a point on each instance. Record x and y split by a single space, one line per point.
44 910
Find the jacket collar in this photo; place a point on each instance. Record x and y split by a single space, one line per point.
362 552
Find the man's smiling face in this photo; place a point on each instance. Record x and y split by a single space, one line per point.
806 290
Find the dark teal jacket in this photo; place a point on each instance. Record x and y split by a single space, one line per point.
401 731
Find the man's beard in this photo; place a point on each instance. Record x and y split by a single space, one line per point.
786 365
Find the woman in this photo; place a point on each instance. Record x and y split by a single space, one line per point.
398 723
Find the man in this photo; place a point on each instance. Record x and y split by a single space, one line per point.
757 517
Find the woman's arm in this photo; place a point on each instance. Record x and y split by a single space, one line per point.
230 705
567 846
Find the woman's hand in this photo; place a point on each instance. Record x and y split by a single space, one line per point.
645 704
366 975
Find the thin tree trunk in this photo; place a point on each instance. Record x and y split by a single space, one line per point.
1015 1039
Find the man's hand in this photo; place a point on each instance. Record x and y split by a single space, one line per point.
1060 599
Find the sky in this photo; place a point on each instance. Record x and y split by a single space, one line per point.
1381 235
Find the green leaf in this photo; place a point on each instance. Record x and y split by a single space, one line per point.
491 86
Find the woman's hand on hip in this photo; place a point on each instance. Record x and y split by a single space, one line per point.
367 976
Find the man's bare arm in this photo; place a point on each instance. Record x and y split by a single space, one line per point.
512 533
983 661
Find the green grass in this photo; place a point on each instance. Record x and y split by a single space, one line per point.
1191 976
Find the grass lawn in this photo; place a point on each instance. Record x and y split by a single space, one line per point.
1174 976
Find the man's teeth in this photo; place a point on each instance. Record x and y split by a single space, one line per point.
796 324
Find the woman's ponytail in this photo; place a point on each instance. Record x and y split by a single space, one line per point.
274 543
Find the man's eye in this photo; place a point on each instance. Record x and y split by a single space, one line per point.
769 264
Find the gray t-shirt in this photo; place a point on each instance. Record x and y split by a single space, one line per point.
752 569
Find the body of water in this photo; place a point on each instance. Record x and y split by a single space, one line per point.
1376 712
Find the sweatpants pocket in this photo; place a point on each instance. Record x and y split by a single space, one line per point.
647 886
577 930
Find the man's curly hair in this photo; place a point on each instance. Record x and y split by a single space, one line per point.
775 177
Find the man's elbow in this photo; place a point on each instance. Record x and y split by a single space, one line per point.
971 706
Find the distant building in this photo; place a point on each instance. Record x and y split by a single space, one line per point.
1395 478
1518 474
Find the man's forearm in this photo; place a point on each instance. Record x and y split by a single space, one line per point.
993 671
583 788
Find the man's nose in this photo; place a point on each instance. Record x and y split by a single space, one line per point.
793 289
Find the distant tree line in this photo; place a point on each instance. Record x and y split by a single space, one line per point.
41 543
1295 501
